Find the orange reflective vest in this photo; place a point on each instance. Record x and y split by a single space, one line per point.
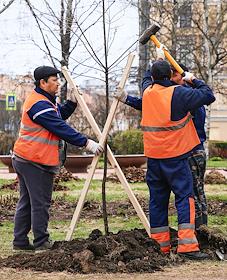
164 138
35 143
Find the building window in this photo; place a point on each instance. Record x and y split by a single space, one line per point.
185 51
185 14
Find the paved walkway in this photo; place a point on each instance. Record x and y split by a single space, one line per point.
4 173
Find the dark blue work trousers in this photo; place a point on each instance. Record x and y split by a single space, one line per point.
164 176
32 210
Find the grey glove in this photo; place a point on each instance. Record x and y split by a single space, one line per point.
94 147
71 96
160 55
120 95
188 77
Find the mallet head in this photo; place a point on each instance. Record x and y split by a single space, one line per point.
145 37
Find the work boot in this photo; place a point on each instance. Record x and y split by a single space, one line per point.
28 247
47 245
195 255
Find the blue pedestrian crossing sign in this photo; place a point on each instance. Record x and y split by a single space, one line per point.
11 101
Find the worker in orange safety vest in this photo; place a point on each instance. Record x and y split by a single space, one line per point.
37 156
169 137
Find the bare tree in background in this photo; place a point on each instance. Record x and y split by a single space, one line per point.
144 10
56 31
4 6
70 29
195 34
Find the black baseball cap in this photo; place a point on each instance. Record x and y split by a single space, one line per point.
160 70
42 72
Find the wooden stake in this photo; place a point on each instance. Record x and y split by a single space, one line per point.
102 139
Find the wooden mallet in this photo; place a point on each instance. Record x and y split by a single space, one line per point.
149 34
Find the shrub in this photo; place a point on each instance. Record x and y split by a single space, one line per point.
6 143
216 159
127 142
218 149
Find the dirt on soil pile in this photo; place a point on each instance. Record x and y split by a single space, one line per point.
215 177
132 174
63 209
62 176
126 251
212 241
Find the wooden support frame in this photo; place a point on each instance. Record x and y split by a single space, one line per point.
102 138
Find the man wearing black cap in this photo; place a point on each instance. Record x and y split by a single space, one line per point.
169 138
36 156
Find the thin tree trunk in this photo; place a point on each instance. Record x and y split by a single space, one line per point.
6 6
105 217
144 7
210 74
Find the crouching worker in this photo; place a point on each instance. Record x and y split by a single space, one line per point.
169 137
36 157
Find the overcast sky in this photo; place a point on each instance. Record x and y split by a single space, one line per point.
19 55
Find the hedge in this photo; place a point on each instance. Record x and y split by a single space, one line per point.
127 142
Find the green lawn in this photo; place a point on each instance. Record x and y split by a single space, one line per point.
219 164
58 229
115 192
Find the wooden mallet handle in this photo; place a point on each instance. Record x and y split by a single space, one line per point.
169 57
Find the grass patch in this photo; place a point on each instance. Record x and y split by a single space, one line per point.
5 181
114 191
219 163
58 230
214 222
216 192
2 165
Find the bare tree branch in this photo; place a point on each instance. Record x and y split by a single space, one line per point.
6 6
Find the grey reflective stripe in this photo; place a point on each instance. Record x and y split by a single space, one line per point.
164 244
187 241
159 229
42 112
32 129
40 140
186 226
167 128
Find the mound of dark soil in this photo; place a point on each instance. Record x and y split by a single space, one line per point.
132 174
127 251
215 177
62 176
211 240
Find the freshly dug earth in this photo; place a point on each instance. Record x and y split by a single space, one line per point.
132 174
126 251
62 176
215 177
212 240
63 209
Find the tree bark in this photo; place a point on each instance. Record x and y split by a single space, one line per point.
6 6
104 209
209 70
144 8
